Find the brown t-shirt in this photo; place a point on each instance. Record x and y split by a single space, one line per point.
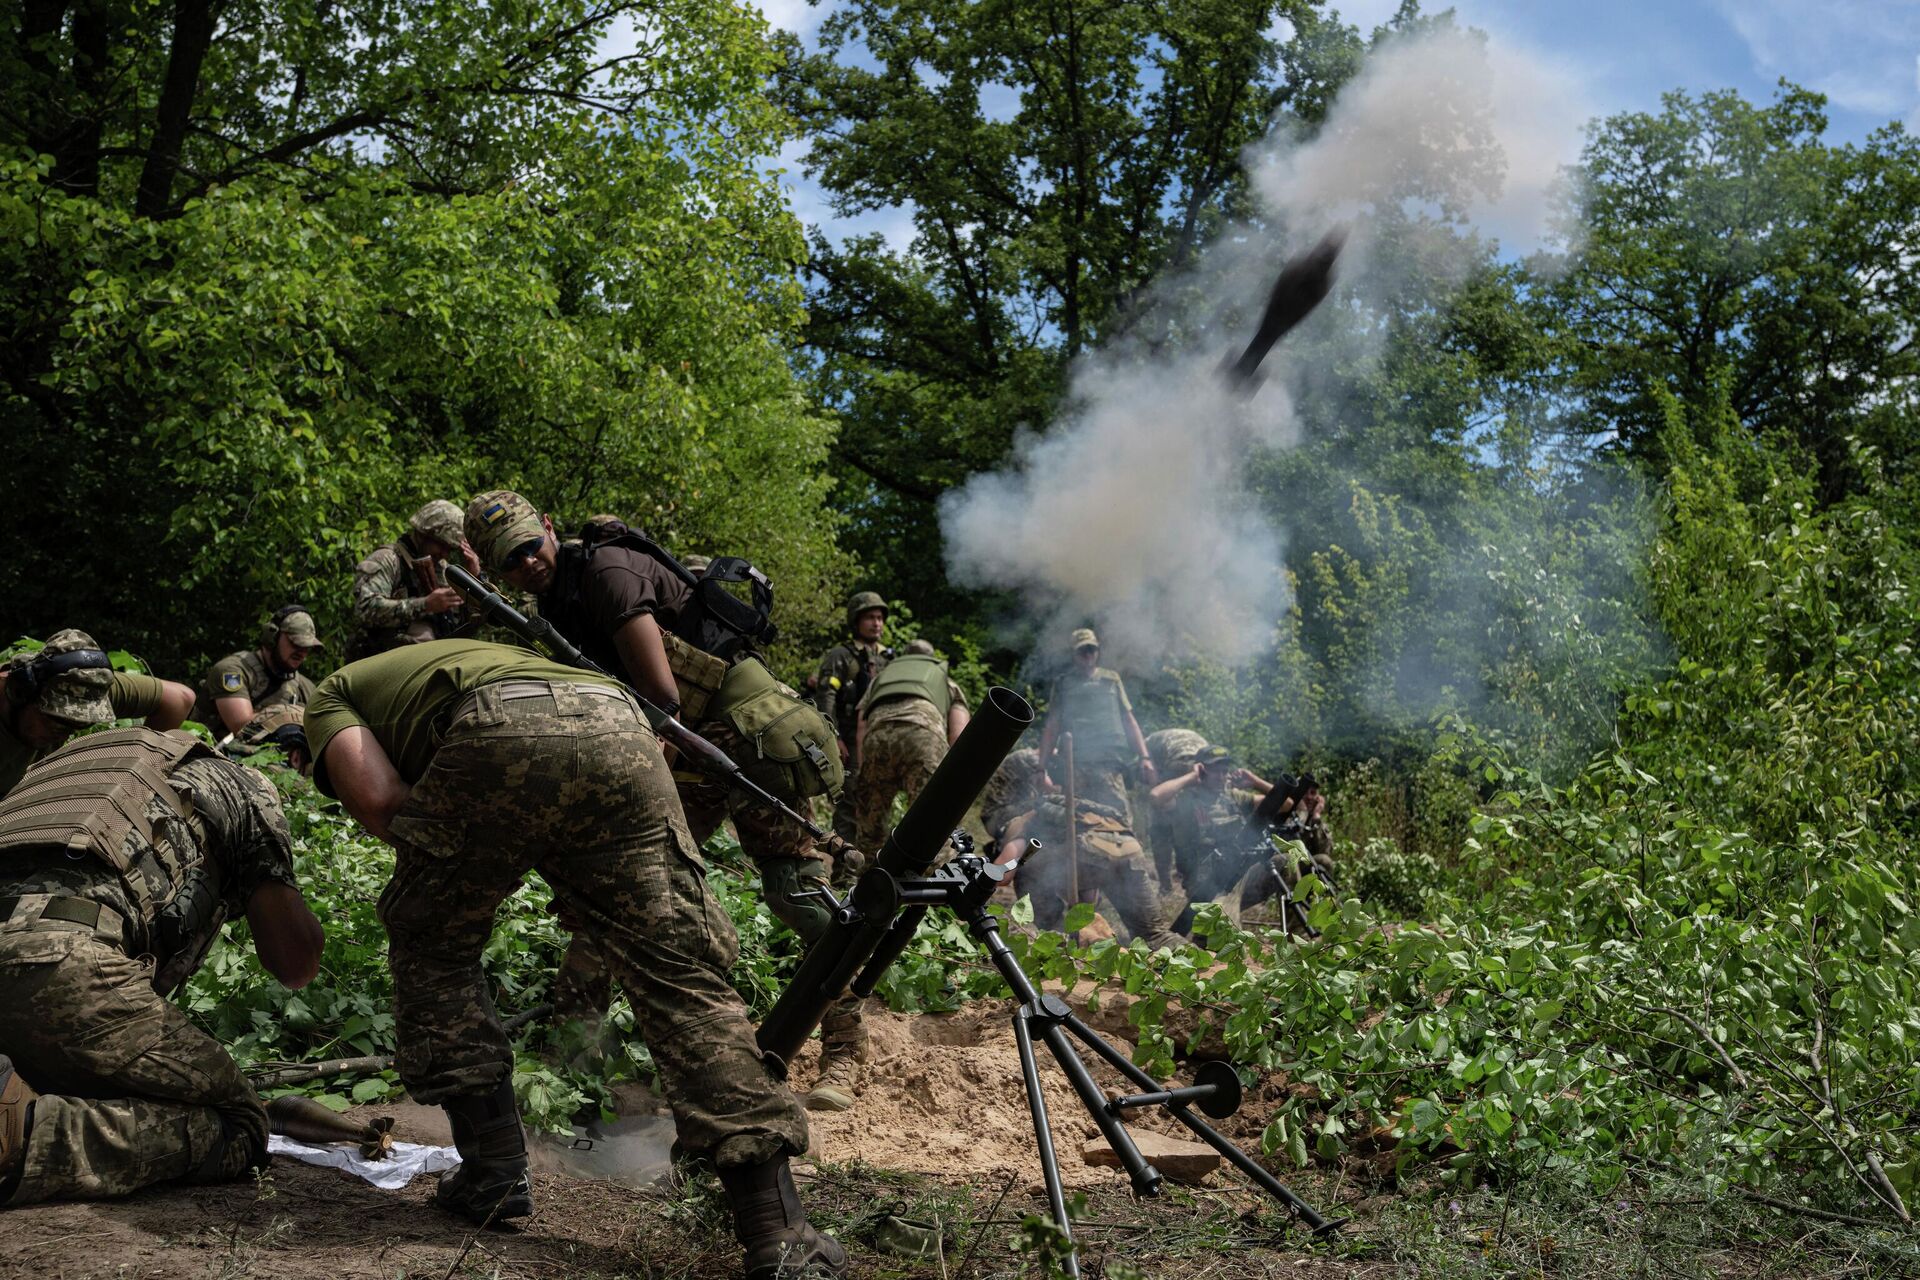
621 583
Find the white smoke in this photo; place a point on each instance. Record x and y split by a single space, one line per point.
1130 512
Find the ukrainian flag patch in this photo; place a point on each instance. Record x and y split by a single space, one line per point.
494 514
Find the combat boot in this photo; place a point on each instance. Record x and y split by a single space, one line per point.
491 1185
16 1114
769 1223
839 1080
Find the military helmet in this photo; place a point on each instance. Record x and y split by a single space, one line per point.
70 678
919 648
860 602
1173 750
439 520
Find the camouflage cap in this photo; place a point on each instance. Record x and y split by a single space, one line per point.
258 731
499 520
1083 638
1213 755
922 648
297 626
695 564
81 696
439 520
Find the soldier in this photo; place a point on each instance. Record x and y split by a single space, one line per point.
243 684
1172 752
1111 865
123 853
400 593
282 728
847 669
479 763
631 608
70 684
1222 854
1090 702
910 714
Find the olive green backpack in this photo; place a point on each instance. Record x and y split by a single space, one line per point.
791 750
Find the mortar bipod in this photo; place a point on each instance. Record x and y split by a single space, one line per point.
964 886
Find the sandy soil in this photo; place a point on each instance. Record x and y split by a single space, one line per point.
943 1098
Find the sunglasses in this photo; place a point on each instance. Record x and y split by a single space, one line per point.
519 556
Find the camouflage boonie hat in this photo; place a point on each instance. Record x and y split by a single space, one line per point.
1083 638
78 697
499 520
297 626
439 520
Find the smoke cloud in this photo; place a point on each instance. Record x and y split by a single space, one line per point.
1130 513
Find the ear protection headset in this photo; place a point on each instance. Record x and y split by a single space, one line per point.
279 618
24 682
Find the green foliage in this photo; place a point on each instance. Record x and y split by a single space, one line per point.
472 250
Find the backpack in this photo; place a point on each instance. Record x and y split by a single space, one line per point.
791 748
716 621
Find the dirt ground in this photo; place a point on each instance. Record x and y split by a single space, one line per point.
942 1131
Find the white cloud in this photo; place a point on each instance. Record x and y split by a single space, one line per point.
1857 52
797 16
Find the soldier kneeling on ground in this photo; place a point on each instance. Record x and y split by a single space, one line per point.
123 854
1111 866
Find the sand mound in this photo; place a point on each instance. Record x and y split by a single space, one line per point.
944 1095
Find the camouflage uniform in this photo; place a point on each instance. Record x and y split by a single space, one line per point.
1224 861
81 698
848 670
1172 752
1111 864
132 1093
390 588
906 739
1010 792
543 768
593 591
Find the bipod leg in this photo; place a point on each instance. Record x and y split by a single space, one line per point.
1043 1136
1204 1131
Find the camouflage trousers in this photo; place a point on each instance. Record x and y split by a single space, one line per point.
897 756
789 866
131 1092
1113 866
572 784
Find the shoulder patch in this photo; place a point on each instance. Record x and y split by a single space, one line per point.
230 681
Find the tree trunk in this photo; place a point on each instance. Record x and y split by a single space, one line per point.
193 23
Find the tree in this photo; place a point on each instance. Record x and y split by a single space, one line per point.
1056 157
279 270
1717 244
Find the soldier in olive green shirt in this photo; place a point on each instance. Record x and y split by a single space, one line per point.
47 697
243 684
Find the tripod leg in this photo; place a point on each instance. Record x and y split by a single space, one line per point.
1204 1131
1146 1179
1043 1135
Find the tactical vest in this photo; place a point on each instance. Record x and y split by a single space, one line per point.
715 620
1090 710
913 675
88 797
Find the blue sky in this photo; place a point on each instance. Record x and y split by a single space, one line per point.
1623 54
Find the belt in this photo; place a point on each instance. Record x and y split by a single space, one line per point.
514 690
32 908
